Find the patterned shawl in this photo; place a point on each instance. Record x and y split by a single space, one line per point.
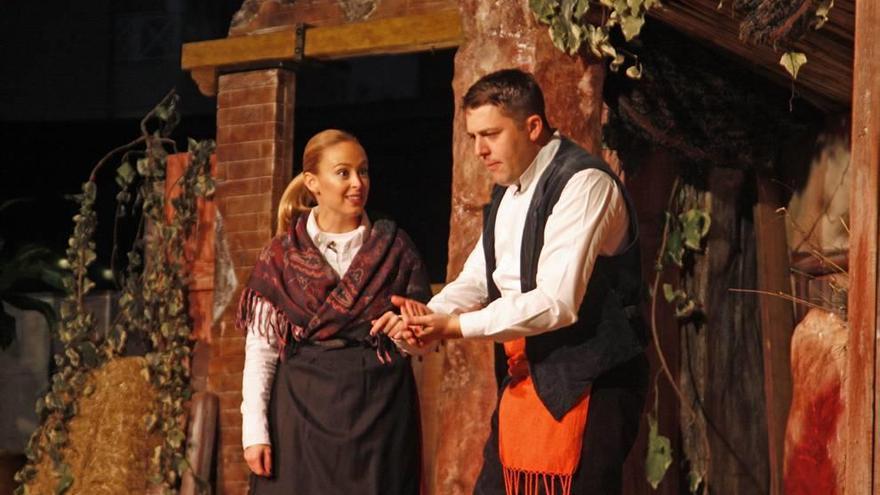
310 302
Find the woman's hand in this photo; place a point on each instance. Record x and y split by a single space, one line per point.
390 324
259 459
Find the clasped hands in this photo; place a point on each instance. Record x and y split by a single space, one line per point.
416 325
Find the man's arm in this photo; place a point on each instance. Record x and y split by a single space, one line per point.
589 219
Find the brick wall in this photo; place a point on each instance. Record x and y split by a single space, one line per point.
254 164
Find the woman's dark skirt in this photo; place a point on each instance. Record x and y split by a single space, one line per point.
341 422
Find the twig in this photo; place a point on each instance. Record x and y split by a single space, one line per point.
101 163
781 294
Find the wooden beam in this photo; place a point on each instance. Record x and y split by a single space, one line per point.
240 50
777 321
862 471
407 34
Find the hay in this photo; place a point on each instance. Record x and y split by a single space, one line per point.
109 449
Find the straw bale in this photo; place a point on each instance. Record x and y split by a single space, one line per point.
109 449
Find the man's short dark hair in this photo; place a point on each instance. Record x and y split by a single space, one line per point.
514 91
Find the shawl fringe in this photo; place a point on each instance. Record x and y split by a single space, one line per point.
274 321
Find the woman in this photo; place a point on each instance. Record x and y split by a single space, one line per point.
327 408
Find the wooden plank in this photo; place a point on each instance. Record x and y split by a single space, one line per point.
861 391
777 321
826 78
396 35
201 441
264 47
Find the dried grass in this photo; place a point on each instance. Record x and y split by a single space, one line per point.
108 449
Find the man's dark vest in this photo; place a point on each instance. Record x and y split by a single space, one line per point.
609 330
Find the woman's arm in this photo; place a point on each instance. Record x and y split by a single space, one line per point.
260 361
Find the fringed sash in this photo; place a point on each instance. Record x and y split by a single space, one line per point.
536 450
308 301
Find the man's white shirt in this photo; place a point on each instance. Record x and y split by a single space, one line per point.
589 219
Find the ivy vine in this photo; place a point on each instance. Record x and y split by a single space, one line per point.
684 232
152 300
570 28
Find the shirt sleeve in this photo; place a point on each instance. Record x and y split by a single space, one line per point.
468 291
590 212
260 361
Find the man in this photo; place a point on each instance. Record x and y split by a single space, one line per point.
556 278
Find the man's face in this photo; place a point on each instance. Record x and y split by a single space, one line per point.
505 145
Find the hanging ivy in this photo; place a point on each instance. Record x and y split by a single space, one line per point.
152 300
571 27
684 233
775 23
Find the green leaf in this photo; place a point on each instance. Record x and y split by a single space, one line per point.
126 173
675 247
695 225
581 7
559 34
685 308
822 12
792 61
89 354
72 355
65 479
668 293
631 26
659 456
634 72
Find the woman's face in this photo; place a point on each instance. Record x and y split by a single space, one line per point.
341 183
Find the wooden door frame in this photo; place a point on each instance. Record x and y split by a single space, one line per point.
862 398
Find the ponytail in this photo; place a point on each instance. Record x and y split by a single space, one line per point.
296 199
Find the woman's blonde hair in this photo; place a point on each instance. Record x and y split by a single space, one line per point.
297 198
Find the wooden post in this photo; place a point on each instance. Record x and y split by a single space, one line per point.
777 321
862 472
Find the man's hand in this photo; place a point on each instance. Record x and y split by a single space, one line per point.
434 327
259 459
424 327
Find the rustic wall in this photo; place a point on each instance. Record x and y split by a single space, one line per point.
254 164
